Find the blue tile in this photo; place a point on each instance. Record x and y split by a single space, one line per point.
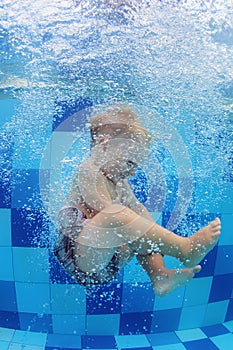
132 341
214 330
197 291
171 193
216 312
224 260
192 316
131 294
5 192
6 260
28 227
7 107
208 263
204 344
98 342
139 185
4 345
104 299
9 319
31 264
61 348
103 324
191 334
6 334
68 111
141 348
26 301
133 273
35 322
29 338
57 273
163 338
160 320
74 295
222 341
5 234
26 190
136 323
63 341
219 293
8 296
69 324
226 237
229 314
173 300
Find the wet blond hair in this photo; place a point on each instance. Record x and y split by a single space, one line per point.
116 120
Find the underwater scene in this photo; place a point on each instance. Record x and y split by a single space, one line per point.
116 174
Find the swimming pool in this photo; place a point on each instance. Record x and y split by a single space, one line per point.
60 63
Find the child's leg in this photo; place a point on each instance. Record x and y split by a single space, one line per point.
189 250
117 225
163 280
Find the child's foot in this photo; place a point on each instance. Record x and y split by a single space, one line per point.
173 279
202 242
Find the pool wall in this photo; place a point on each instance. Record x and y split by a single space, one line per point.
36 293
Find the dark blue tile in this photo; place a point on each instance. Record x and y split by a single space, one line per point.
104 299
35 322
139 185
8 300
68 110
208 263
221 289
9 319
229 315
171 193
214 330
29 227
98 342
204 344
57 273
25 191
135 323
160 320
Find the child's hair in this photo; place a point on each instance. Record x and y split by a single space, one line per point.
116 120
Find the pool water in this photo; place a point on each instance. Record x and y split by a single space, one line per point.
61 63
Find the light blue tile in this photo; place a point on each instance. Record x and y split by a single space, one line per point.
33 297
169 347
215 313
223 341
69 324
205 197
229 325
171 301
7 108
4 345
16 346
5 232
132 341
133 273
6 334
197 291
227 198
192 317
31 264
226 237
103 324
29 338
62 340
6 273
190 334
74 296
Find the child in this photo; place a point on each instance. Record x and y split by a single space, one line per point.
103 225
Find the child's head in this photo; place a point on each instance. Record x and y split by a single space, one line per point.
118 121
